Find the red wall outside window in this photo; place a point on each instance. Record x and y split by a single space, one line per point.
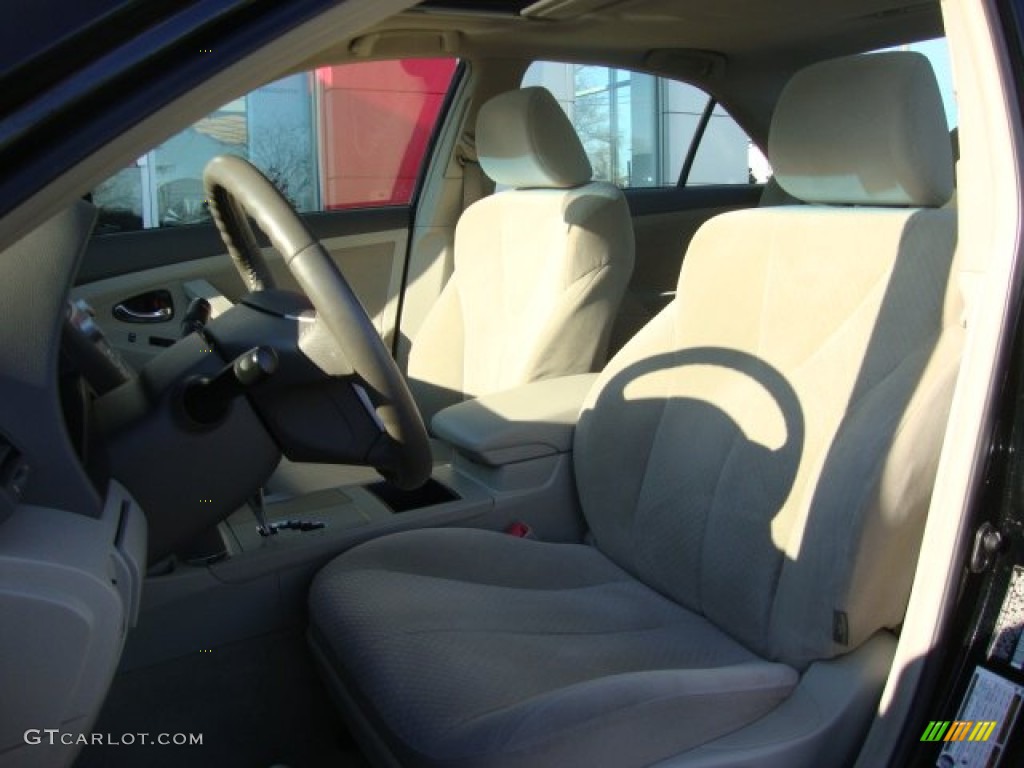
376 120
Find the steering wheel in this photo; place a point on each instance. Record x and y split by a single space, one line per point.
236 190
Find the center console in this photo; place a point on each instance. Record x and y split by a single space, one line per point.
511 462
510 470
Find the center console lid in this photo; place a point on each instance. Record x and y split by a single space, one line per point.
528 422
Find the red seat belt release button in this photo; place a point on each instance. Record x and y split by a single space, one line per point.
520 530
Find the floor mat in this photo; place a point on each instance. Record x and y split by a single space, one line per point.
255 704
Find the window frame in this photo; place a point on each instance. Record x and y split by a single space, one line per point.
698 136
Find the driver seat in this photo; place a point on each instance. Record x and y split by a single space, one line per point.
540 269
755 467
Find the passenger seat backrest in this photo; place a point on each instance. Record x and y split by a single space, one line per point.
540 269
763 451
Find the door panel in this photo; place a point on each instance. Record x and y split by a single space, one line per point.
109 255
372 262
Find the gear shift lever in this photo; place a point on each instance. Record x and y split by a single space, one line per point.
271 529
260 513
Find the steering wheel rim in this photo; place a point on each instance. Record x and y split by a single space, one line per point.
237 190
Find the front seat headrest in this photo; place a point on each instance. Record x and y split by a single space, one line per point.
524 139
868 129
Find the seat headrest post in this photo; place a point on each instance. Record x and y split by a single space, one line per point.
863 130
525 140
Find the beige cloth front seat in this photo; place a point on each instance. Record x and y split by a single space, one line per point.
755 467
540 269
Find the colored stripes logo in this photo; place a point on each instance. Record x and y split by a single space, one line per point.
958 730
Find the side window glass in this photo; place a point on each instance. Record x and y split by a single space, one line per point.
348 136
725 155
644 131
376 120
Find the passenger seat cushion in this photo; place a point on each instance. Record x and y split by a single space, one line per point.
472 643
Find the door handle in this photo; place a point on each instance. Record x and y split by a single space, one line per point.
127 315
152 307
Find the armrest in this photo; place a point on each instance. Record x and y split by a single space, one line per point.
534 420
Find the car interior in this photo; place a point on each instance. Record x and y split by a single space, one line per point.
541 469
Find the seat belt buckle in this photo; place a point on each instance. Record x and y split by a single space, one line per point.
520 530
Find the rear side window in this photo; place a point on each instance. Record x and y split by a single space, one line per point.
645 131
349 136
